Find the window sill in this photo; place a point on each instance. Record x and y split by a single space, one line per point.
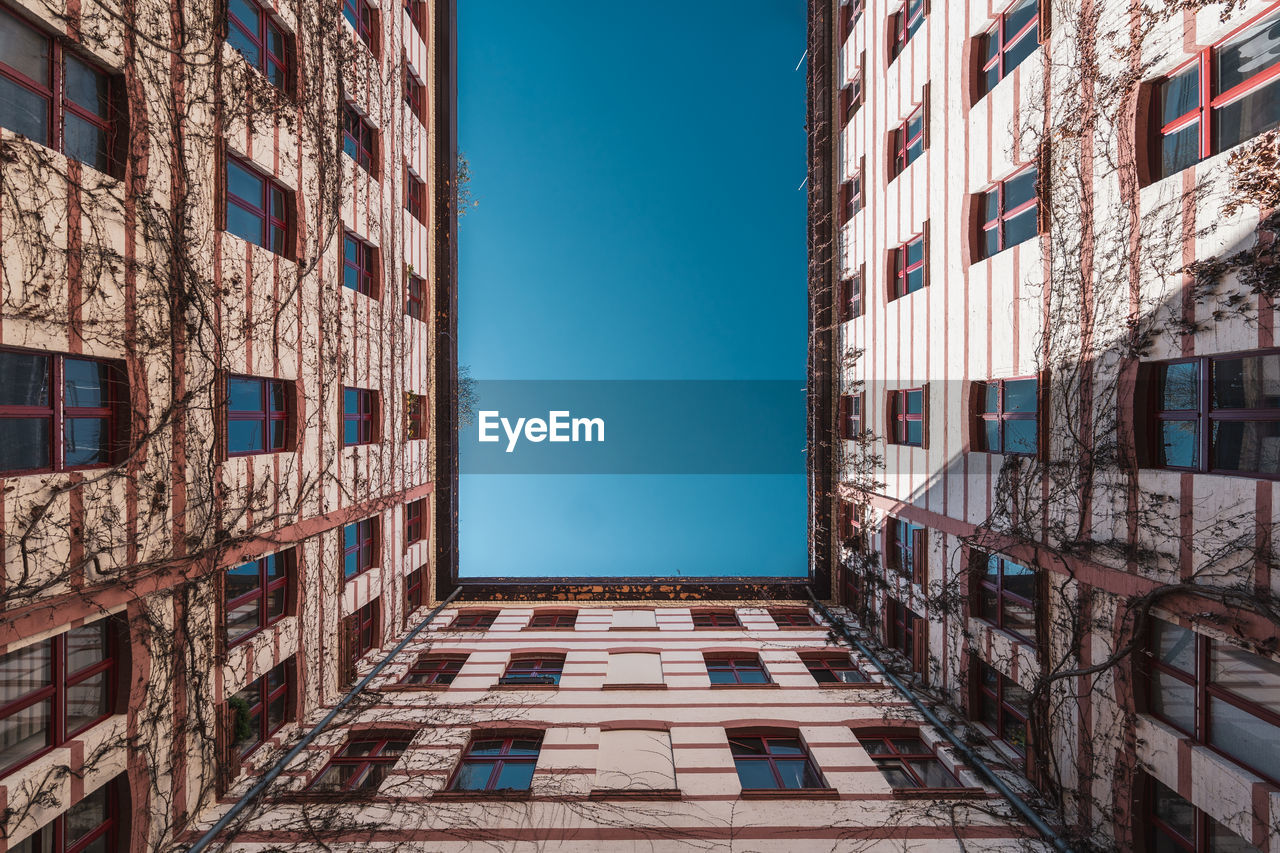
790 794
414 688
480 795
657 685
853 685
767 686
636 794
521 687
940 793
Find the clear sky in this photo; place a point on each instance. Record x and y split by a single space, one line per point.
638 169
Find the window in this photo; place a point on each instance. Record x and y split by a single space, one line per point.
54 689
715 619
414 589
416 302
415 95
1173 824
1007 421
1229 93
259 711
359 139
908 141
554 621
59 413
850 200
903 25
256 595
364 19
434 669
361 633
498 764
417 12
53 97
252 32
359 265
1003 707
907 263
473 620
257 209
1005 596
1219 414
906 417
533 670
851 298
96 824
1216 693
850 12
361 764
1010 213
906 553
792 618
851 98
906 762
729 669
359 547
359 416
1010 40
905 633
834 669
766 763
258 415
415 196
415 514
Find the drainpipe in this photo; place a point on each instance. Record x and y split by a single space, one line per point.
278 768
971 758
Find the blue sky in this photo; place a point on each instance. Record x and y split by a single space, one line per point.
638 173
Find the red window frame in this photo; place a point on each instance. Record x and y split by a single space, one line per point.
269 415
274 577
851 98
903 25
715 618
850 12
59 104
992 596
272 208
359 547
565 621
417 12
434 669
271 687
369 758
261 33
792 618
415 513
363 18
996 214
1202 69
1004 42
59 414
415 94
851 298
907 140
111 833
770 750
831 669
996 710
53 691
1161 831
999 415
904 267
415 196
359 139
904 752
359 265
415 304
496 751
414 588
416 424
535 669
901 416
359 416
905 550
473 620
736 669
365 630
902 629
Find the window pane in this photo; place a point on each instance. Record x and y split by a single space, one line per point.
25 733
24 379
789 746
1249 676
896 776
23 111
242 620
515 776
1019 189
244 184
1252 382
746 746
87 87
242 43
473 776
1174 701
1247 446
85 441
1179 95
1180 387
1020 436
752 676
245 225
87 701
915 252
1014 733
1254 52
934 774
1179 814
26 444
1020 228
1245 737
915 280
242 579
85 383
1178 444
86 646
336 777
1223 840
1174 646
1018 17
915 432
245 436
244 395
1020 49
1179 150
87 815
914 402
991 435
1020 580
24 49
276 603
755 775
24 671
797 773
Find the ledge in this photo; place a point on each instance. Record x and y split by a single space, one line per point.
522 687
636 794
940 794
480 795
790 794
855 685
771 685
656 685
412 688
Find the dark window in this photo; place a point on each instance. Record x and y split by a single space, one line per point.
1218 694
728 669
1003 707
473 620
850 416
359 265
850 198
1012 38
258 415
260 710
53 97
359 416
416 303
359 139
765 763
1220 415
364 19
96 824
413 589
716 619
416 425
850 298
533 670
1007 417
361 633
906 417
1010 213
252 31
851 99
905 633
833 669
908 268
415 196
52 690
257 208
554 621
1229 93
415 514
498 764
434 669
417 12
1174 825
908 141
359 547
792 618
415 96
256 595
906 762
903 26
361 764
1006 597
849 14
60 413
906 552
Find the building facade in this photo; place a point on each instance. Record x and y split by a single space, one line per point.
219 240
1056 396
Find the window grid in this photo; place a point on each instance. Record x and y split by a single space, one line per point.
93 824
834 669
1010 212
908 141
904 24
257 208
908 267
359 139
361 764
359 547
533 670
359 265
261 710
415 196
413 589
851 298
1005 597
364 20
906 762
256 596
497 764
903 632
359 416
263 44
736 670
1175 824
416 301
1012 39
414 515
1008 411
364 630
473 620
773 763
716 619
906 556
415 94
1002 706
417 12
434 669
554 621
267 422
906 417
792 618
